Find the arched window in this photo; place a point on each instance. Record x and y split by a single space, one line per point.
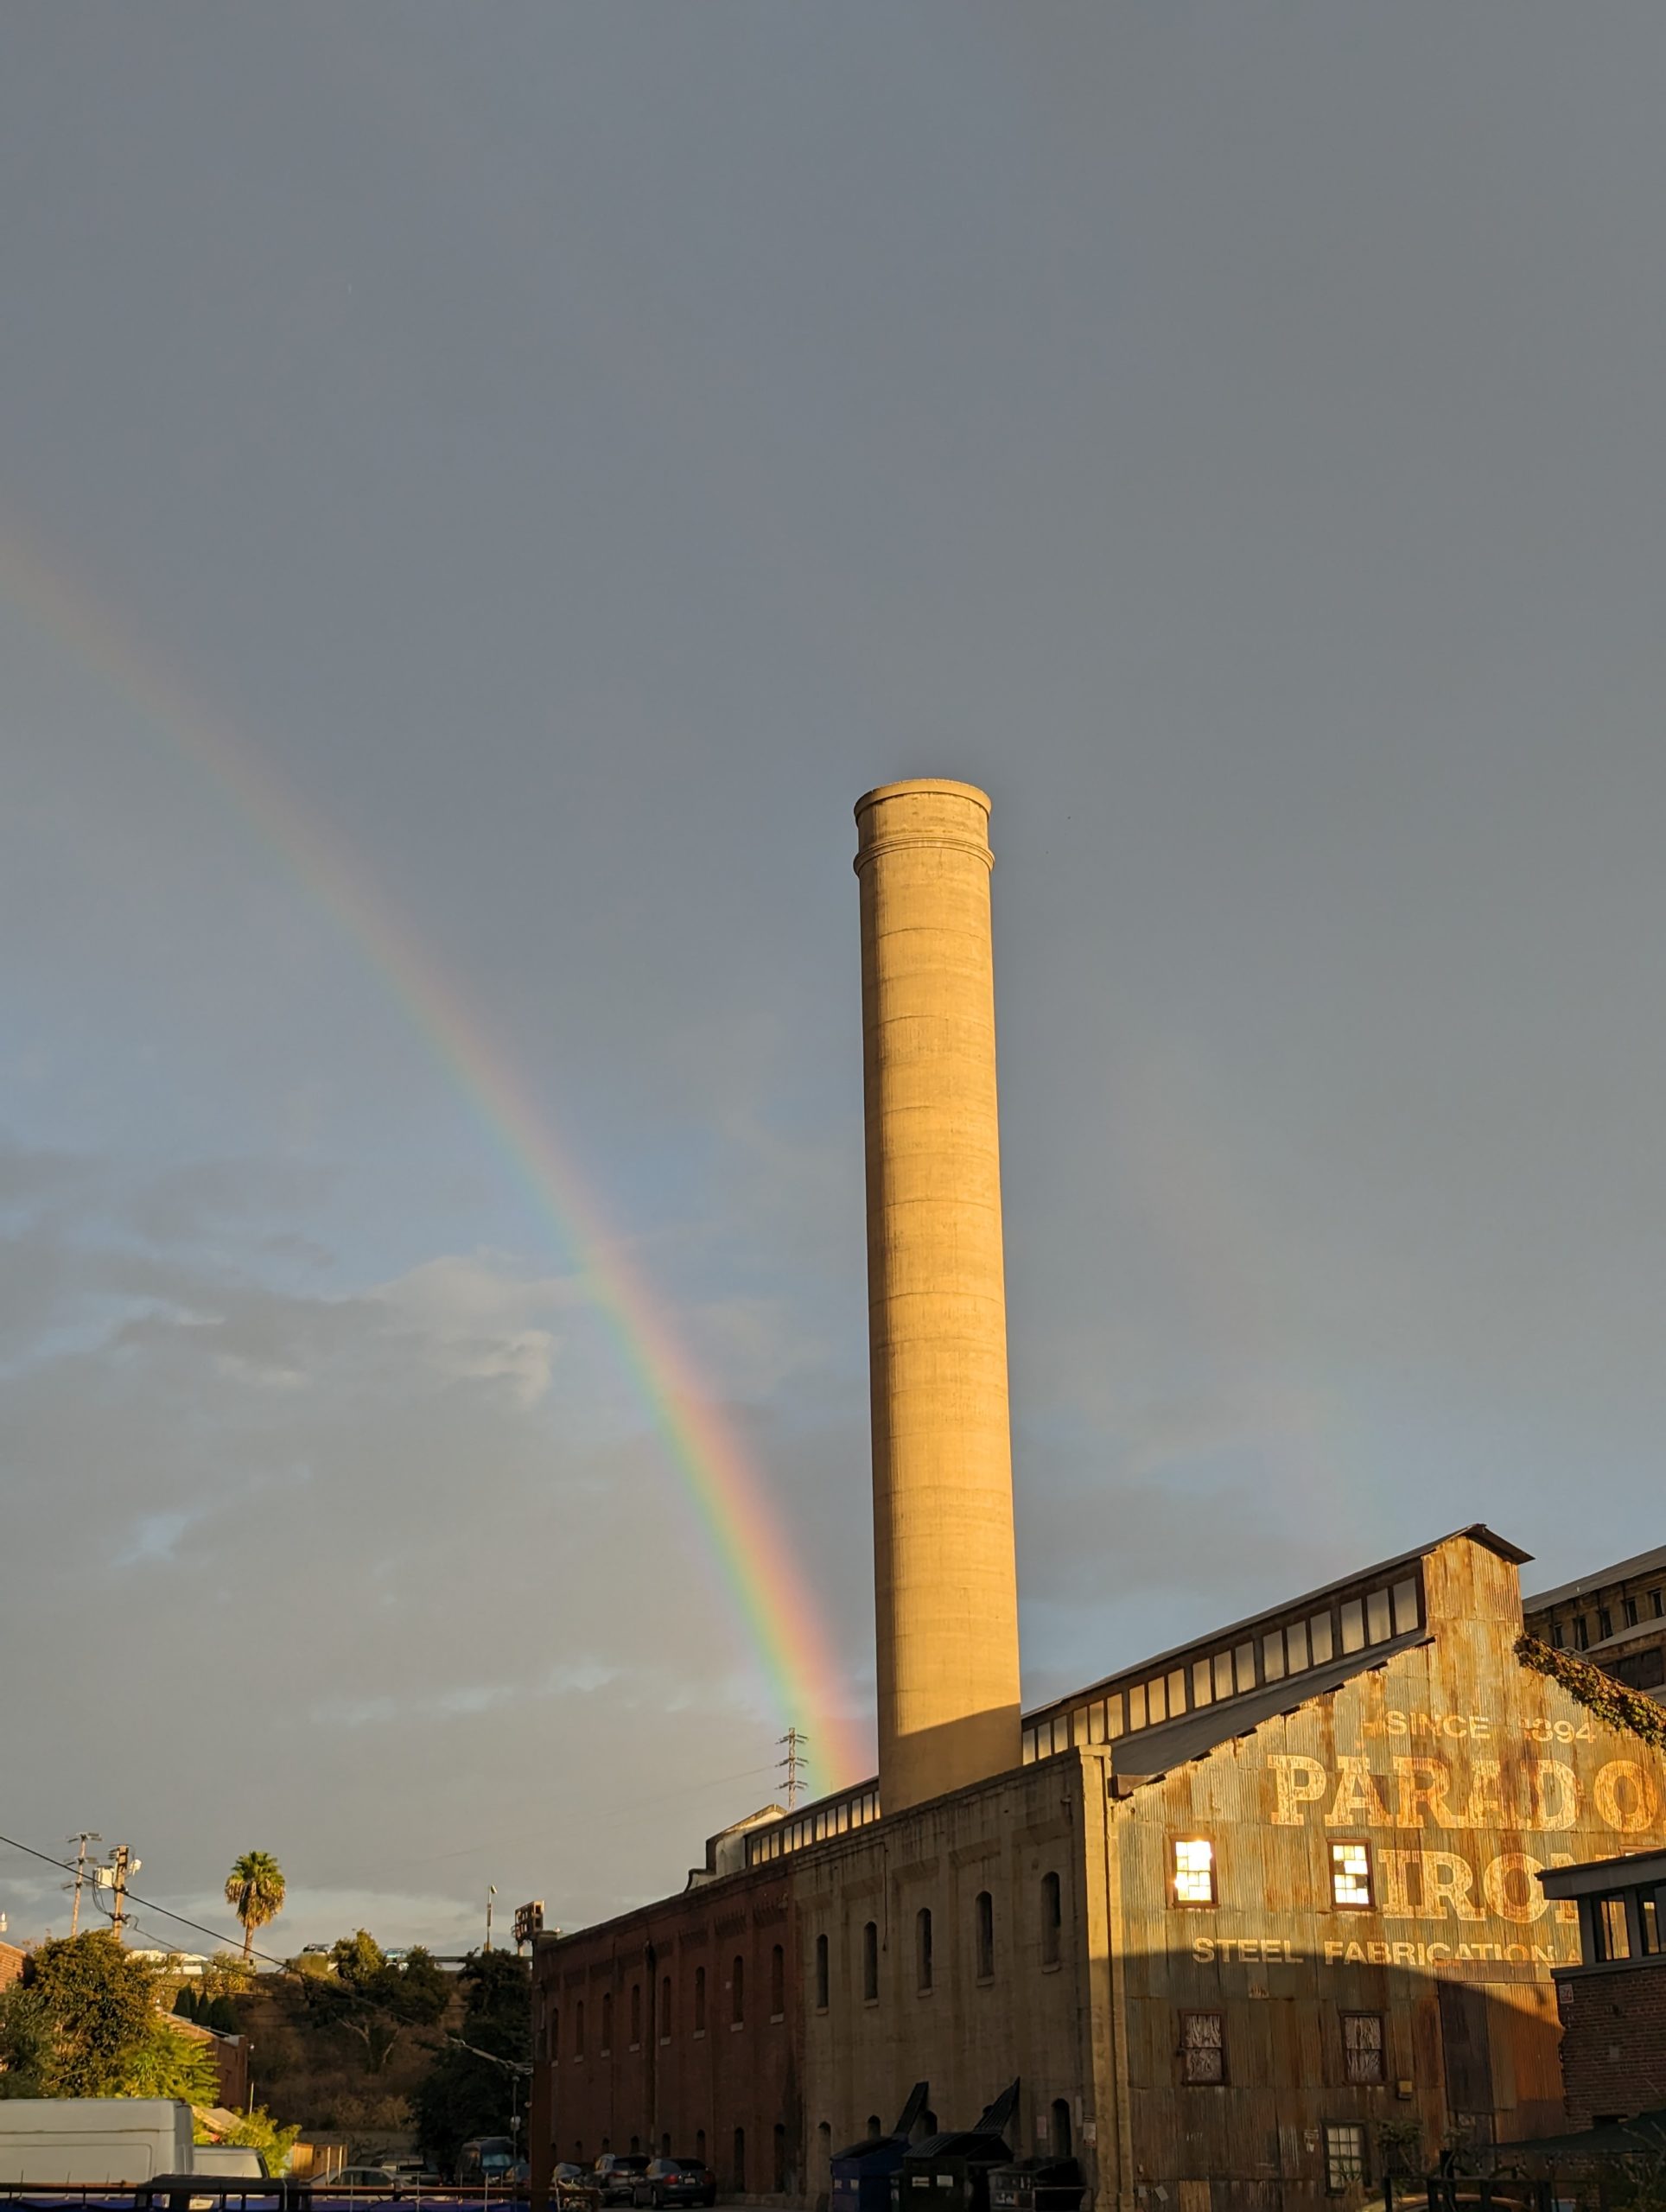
985 1931
922 1948
666 2013
1052 1920
739 2161
636 2014
823 1976
777 1983
738 1990
607 2023
700 2001
870 1961
1060 2138
781 2158
578 2029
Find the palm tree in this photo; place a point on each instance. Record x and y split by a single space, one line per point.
255 1887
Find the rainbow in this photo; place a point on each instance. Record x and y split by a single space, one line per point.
781 1617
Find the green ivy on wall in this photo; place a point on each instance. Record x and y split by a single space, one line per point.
1599 1693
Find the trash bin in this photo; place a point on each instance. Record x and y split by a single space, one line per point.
864 2177
950 2173
1037 2185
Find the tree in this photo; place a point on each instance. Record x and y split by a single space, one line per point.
26 2043
165 2063
477 2084
376 2000
254 1888
100 2001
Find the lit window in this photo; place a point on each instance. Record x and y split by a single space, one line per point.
1177 1694
1344 2156
1378 1626
1113 1719
1202 1694
1244 1666
1650 1919
1096 1724
1351 1876
1271 1657
1353 1626
1136 1707
1203 2049
1362 2047
1029 1746
1223 1674
1158 1701
1195 1871
1295 1644
1405 1606
1319 1638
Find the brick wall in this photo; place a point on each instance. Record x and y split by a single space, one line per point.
1613 2050
11 1964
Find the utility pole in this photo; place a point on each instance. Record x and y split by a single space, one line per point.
491 1892
795 1741
122 1864
85 1837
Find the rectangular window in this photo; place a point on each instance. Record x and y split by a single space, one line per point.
1379 1626
1630 1610
1202 1692
1614 1937
1272 1656
1353 1626
1295 1644
1177 1694
1136 1708
1319 1639
1203 2049
1362 2048
1652 1922
1223 1674
1581 1632
1029 1746
1556 1634
1344 2156
1405 1606
1113 1718
1351 1876
1096 1724
1243 1666
1657 1604
1604 1624
1195 1871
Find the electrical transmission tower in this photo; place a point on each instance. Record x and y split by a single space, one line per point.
794 1762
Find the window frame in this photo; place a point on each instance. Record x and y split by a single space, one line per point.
1340 1843
1184 2051
1178 1904
1329 2129
1378 2080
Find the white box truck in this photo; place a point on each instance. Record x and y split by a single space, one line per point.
94 2141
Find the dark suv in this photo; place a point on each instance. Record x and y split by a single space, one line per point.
617 2173
676 2181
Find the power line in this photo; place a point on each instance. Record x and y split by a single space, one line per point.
150 1904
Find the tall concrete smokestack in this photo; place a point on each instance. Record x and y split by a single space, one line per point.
945 1583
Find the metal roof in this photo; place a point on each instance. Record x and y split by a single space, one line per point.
1599 1580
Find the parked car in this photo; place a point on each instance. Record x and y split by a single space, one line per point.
676 2181
616 2174
362 2178
486 2158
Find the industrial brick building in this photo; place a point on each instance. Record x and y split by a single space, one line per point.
1244 1921
1612 1998
1615 1616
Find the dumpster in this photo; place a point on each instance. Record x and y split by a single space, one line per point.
1037 2185
862 2175
950 2172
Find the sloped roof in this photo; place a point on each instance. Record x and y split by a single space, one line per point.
1601 1577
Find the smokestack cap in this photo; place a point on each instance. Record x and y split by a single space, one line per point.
929 810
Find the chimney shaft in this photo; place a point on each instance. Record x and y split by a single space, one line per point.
945 1584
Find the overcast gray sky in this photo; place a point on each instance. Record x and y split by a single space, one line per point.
565 454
